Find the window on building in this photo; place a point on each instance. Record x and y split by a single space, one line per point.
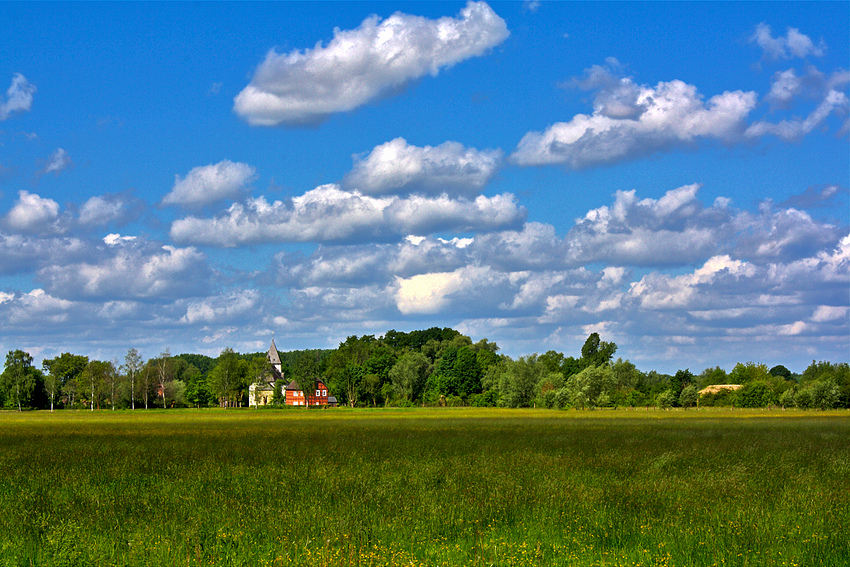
324 392
317 393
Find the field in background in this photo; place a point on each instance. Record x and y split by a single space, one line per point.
425 487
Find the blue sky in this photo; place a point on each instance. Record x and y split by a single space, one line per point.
194 176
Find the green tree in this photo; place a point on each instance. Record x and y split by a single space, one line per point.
96 380
227 378
587 386
18 378
519 379
665 399
681 380
712 376
133 364
372 387
689 396
825 394
782 372
596 352
749 372
164 373
52 384
112 380
755 394
409 374
67 368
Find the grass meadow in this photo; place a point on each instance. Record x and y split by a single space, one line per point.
425 487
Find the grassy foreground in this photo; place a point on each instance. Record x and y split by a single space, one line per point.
425 487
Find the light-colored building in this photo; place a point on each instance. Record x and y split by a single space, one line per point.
261 392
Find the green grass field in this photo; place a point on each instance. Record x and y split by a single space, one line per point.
425 487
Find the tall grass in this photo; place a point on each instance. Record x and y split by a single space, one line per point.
425 487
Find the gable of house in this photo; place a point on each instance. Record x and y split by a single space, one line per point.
296 397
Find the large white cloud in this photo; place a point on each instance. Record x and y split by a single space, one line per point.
631 121
32 213
329 213
396 167
360 65
210 183
18 97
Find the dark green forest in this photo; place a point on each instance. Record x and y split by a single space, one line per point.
432 367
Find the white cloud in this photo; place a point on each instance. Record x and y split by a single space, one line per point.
824 313
790 130
131 270
210 183
222 308
396 167
18 97
103 210
116 239
657 291
674 228
785 87
36 307
434 292
33 214
328 213
794 44
22 253
360 65
58 161
631 121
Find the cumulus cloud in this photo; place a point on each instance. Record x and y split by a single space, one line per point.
631 120
21 253
663 291
360 65
793 44
329 213
18 97
222 308
33 214
433 292
34 307
210 183
647 232
131 270
58 161
397 167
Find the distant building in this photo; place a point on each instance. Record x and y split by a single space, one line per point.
715 388
320 397
261 392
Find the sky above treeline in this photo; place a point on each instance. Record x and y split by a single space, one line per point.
195 176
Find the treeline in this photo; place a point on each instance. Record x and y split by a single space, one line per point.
429 367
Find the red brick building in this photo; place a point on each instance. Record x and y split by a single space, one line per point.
318 397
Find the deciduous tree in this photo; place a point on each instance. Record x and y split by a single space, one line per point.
131 368
18 380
